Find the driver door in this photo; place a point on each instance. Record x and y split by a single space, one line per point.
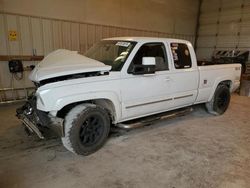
149 93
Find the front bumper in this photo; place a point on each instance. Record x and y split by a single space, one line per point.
30 125
39 122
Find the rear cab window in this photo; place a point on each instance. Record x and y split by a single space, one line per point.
181 55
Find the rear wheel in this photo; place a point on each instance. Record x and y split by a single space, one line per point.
220 101
86 129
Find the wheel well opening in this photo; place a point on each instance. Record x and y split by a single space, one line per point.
65 110
105 103
227 83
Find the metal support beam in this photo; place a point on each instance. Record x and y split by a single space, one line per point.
197 24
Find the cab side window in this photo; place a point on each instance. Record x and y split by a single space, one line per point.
156 50
181 55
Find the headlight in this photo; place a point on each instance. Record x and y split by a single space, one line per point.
29 109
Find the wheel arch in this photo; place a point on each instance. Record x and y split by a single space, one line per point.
226 81
105 103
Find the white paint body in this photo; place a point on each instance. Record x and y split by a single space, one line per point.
132 96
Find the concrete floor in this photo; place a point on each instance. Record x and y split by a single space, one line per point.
197 150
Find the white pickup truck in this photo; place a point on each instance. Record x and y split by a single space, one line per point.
120 79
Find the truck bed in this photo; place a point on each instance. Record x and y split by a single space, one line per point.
210 76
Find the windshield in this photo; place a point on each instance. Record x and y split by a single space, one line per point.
113 53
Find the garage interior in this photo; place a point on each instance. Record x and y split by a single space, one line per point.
195 150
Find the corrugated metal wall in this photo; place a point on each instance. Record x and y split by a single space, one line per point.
42 35
39 36
223 24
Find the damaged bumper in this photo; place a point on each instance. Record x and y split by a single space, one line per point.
38 121
30 125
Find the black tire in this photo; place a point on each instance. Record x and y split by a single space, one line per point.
220 101
86 128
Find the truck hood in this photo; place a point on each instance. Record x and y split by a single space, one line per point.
65 62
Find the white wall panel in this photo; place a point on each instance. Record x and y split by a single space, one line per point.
244 41
228 23
12 25
209 18
112 32
75 36
231 28
66 35
184 26
98 33
210 6
206 41
3 38
37 36
231 4
227 41
246 13
105 32
247 2
204 53
47 36
57 34
41 36
228 15
157 15
120 32
25 33
91 35
209 29
83 38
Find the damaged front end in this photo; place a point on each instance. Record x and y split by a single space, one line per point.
37 121
58 66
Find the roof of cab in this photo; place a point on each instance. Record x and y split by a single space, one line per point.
147 39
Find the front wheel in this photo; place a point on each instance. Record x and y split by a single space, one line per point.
220 101
86 129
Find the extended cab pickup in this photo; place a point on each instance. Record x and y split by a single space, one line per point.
117 80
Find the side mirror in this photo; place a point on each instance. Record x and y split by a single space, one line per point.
148 61
147 67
